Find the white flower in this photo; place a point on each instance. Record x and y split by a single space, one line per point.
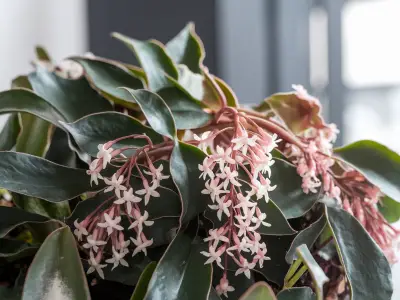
224 156
261 257
262 190
243 142
116 184
214 256
259 219
206 169
92 243
94 175
245 203
216 235
79 230
263 166
221 207
223 287
157 174
128 198
243 225
242 246
110 223
105 154
95 266
141 245
148 191
245 268
203 140
140 220
118 258
213 189
229 176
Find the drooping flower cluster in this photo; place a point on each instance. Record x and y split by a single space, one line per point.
103 231
236 178
315 160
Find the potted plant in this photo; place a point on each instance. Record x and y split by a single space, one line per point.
153 182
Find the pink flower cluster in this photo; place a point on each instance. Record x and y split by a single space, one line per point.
102 231
315 159
235 198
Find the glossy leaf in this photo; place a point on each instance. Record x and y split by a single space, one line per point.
365 265
60 151
297 293
56 271
42 54
37 177
298 114
390 209
72 98
307 236
95 129
12 249
156 111
211 96
21 100
259 291
279 224
11 217
379 164
109 77
188 113
181 273
186 48
275 269
190 82
230 96
288 195
317 274
184 166
143 282
154 60
9 133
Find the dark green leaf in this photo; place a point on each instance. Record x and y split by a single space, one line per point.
307 236
34 176
298 114
297 293
8 293
191 82
156 111
143 282
9 134
181 273
109 77
12 249
366 267
379 164
275 269
153 59
21 100
72 98
288 194
99 128
11 217
390 209
230 96
317 274
259 291
279 224
185 160
60 151
56 271
186 48
188 112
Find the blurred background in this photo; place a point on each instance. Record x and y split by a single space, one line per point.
344 52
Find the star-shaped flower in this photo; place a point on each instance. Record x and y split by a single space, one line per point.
243 142
140 220
79 230
95 265
223 287
224 156
92 243
222 207
229 176
148 191
216 235
94 173
110 223
156 173
213 189
118 258
104 154
128 198
206 168
141 245
245 267
214 256
203 140
116 184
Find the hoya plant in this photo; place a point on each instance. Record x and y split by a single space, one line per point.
153 182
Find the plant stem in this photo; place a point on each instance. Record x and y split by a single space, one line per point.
296 277
292 270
